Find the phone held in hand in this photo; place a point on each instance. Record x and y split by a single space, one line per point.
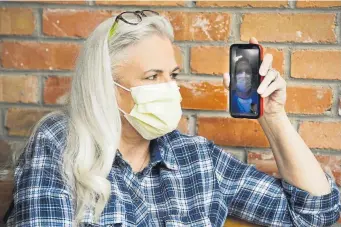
245 61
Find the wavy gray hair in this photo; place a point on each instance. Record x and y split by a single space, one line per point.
94 124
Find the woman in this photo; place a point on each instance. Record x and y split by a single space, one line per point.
114 159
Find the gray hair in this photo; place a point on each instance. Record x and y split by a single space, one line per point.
94 124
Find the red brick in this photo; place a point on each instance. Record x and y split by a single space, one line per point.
19 122
309 99
317 4
232 132
178 55
265 162
215 60
252 3
278 58
16 21
203 95
289 27
19 89
56 90
35 55
199 26
72 23
141 3
324 135
316 64
209 60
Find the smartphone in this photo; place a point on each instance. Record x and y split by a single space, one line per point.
245 61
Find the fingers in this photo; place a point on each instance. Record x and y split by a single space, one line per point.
269 90
269 79
226 77
253 40
277 85
266 64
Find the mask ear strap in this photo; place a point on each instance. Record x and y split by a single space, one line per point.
122 111
117 84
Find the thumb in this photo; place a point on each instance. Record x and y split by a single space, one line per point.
226 77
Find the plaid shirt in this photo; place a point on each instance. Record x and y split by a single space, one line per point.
189 182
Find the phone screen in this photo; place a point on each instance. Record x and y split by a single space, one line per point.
244 68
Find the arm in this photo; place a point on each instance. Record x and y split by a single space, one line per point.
296 163
259 198
40 197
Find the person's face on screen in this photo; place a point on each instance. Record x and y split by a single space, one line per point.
243 77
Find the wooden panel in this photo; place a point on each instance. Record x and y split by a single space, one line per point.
6 188
233 222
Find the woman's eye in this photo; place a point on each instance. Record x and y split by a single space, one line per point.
174 75
153 77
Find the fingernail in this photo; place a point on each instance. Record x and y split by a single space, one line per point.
262 72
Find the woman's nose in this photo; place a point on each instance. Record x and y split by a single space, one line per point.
167 78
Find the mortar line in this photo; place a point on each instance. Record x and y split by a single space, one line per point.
41 80
334 105
30 106
291 82
4 116
234 28
292 4
186 61
338 27
39 23
287 63
174 8
2 123
90 2
293 117
281 45
34 73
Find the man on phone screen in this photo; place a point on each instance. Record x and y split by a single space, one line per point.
244 98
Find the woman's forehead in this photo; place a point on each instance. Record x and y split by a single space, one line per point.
152 53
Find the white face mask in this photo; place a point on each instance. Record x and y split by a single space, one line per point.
243 82
157 110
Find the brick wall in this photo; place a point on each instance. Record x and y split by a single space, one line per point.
41 39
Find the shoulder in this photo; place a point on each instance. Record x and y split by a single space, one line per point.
189 149
47 139
53 127
177 139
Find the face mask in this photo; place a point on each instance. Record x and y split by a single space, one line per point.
157 110
243 82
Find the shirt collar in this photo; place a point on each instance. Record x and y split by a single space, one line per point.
160 152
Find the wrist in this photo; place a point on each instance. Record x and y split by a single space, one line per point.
273 117
274 125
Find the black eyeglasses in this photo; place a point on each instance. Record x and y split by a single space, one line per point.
131 17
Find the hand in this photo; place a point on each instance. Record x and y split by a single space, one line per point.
272 88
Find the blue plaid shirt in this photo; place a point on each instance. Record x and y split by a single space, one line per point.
189 182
